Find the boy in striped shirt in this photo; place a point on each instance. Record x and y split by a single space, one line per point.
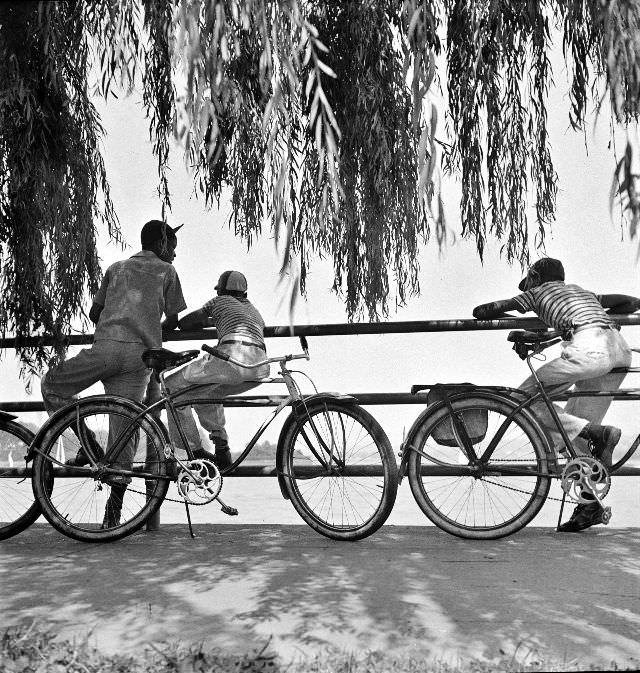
593 346
240 330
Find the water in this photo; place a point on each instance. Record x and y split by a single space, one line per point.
259 502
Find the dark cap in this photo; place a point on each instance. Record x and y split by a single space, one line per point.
542 271
156 230
232 281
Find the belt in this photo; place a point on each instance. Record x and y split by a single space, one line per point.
567 334
243 343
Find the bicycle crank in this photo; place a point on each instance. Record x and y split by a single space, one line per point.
199 481
586 479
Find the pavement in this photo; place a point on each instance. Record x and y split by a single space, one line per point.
413 591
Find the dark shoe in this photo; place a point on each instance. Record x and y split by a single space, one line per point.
604 439
585 516
222 459
86 437
113 508
203 454
80 460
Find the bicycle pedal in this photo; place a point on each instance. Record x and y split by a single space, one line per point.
231 511
606 515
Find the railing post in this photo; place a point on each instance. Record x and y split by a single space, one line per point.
152 395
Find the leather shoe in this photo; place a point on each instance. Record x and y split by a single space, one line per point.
603 444
221 459
584 516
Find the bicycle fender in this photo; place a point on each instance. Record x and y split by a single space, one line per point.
136 407
482 394
6 416
291 420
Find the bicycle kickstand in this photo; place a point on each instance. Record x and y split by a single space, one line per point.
186 506
564 497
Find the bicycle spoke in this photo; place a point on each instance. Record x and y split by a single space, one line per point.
18 506
486 501
352 496
116 496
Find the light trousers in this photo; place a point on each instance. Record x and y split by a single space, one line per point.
222 379
117 364
585 362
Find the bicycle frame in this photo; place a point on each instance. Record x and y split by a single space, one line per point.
546 394
168 398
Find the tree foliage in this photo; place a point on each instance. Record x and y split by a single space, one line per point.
51 172
317 117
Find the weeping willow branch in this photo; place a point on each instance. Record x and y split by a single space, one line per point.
51 174
316 117
498 83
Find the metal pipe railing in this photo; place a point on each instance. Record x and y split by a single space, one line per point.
339 329
335 329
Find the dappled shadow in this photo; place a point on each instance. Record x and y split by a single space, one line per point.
411 590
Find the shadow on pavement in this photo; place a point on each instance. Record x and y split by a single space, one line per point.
413 591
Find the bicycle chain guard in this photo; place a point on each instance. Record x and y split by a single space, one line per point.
585 476
199 482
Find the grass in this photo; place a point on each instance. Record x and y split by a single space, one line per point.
31 649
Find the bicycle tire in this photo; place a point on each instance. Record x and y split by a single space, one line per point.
18 506
84 505
628 453
340 505
495 504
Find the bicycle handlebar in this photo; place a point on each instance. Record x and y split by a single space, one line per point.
283 358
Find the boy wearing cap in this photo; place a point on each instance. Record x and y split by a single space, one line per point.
240 330
593 346
127 311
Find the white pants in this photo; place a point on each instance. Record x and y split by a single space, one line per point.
586 363
224 379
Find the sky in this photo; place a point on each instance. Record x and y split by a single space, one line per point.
596 251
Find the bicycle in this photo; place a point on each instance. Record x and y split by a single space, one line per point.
333 460
18 506
480 464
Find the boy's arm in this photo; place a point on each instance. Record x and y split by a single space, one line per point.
100 299
169 323
495 309
619 303
194 320
94 312
174 302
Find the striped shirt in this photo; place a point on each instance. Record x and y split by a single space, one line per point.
236 316
564 307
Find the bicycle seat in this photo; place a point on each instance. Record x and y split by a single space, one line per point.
162 358
531 338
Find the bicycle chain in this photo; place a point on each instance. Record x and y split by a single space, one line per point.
519 490
567 498
167 498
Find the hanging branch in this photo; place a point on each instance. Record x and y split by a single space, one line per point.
316 117
491 48
52 175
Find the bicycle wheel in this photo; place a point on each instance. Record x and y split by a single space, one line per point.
339 470
114 499
18 506
496 497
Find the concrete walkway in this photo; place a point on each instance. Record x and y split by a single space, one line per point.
410 590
